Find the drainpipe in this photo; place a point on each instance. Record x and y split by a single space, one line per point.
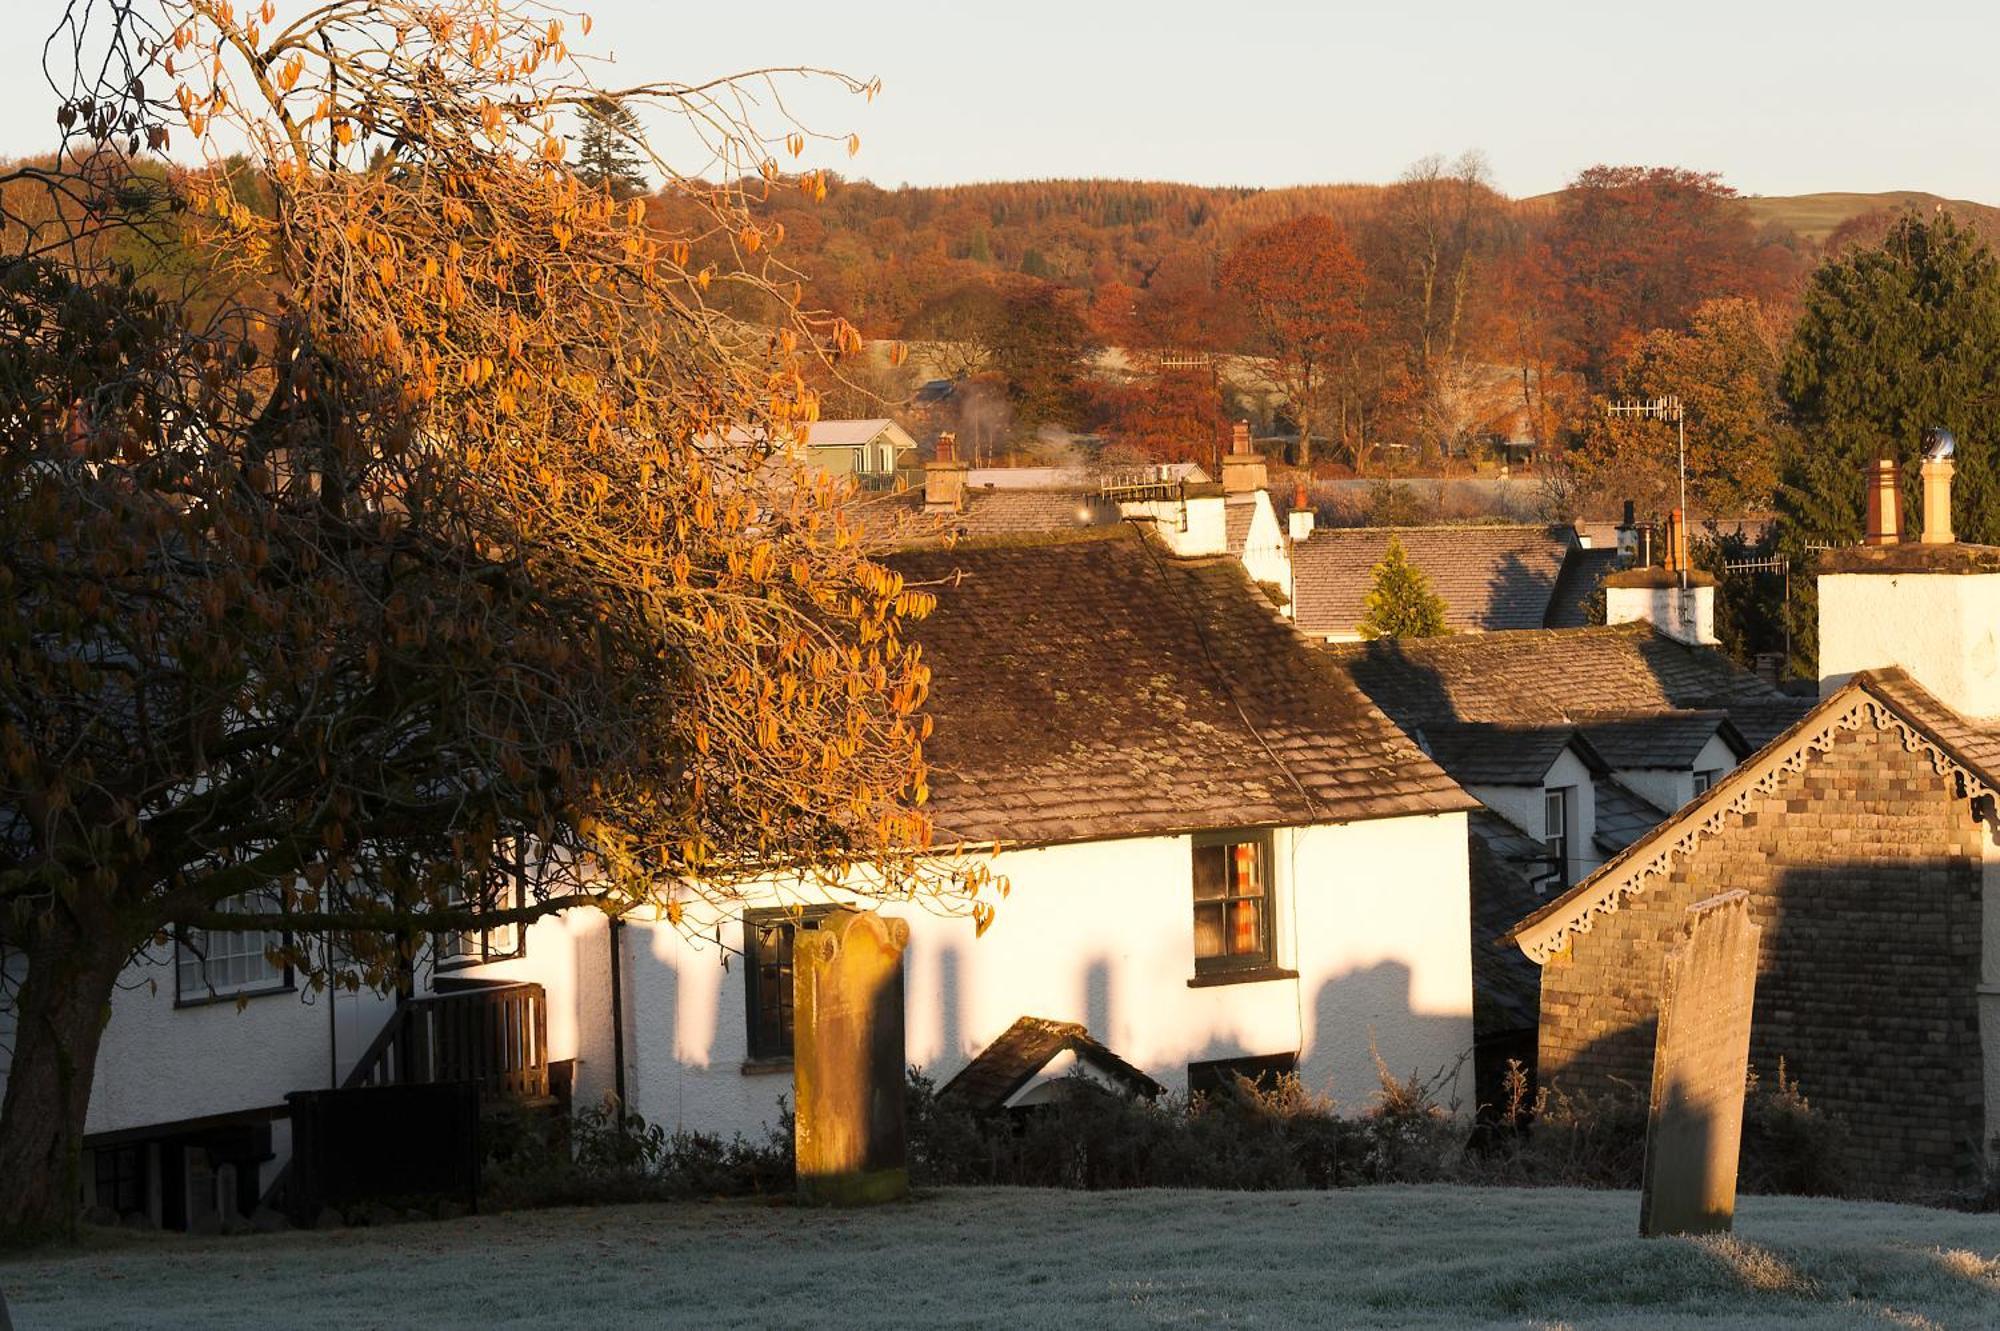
618 1015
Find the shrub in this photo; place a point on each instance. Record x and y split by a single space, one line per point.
606 1153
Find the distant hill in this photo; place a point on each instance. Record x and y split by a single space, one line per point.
1816 216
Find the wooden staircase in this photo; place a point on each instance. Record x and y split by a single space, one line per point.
496 1035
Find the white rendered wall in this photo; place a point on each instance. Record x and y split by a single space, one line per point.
1672 787
1943 628
1267 555
1687 616
1207 527
160 1064
1374 917
1525 808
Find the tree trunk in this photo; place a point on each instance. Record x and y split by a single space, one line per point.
62 1005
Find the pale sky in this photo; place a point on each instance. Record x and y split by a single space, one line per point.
1781 96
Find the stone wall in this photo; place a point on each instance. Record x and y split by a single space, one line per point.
1864 871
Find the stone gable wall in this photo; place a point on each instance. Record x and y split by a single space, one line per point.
1864 871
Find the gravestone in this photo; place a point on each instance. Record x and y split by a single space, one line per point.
847 1059
1700 1063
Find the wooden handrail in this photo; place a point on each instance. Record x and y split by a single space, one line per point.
494 1035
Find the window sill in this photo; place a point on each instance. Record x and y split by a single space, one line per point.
766 1067
210 1000
1248 975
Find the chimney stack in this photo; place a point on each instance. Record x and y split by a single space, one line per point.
944 477
1937 502
1885 503
1300 519
1242 471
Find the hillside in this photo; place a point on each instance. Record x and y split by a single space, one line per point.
1815 217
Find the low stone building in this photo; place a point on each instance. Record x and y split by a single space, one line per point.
1865 837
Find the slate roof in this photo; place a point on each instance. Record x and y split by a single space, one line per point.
1660 739
1095 688
987 514
1505 863
1237 513
1024 1049
1556 676
1623 814
1583 572
1490 755
1489 577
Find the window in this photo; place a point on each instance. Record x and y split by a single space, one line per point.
768 936
506 889
1704 779
1217 1075
225 963
1555 827
1232 902
120 1179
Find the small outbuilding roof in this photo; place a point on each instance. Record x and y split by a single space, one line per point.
1002 1068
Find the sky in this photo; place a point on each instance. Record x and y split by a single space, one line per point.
1780 97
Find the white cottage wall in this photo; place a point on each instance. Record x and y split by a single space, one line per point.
161 1062
1373 916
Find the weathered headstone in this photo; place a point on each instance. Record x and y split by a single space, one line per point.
847 1059
1700 1063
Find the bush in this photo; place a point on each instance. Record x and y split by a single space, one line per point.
609 1154
1245 1136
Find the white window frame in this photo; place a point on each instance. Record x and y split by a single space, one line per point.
216 965
1561 801
1705 779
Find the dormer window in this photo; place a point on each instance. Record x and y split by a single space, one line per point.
1704 779
1555 827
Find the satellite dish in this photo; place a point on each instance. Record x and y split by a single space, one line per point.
1938 444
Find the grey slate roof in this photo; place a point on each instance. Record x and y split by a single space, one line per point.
1489 755
1583 573
1489 577
1660 739
1025 1048
1623 814
1237 513
1092 688
1555 676
1505 864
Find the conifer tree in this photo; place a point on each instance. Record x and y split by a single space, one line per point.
604 152
1402 603
1893 339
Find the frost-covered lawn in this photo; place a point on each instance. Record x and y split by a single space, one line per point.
1416 1257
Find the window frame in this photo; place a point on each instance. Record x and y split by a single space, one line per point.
286 981
1558 844
1705 780
443 960
1244 964
760 1051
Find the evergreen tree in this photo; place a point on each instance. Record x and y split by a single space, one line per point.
1402 604
1892 339
604 151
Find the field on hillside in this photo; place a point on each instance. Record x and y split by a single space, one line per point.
1815 216
1369 1257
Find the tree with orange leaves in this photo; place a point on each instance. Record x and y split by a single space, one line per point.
1299 286
455 548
